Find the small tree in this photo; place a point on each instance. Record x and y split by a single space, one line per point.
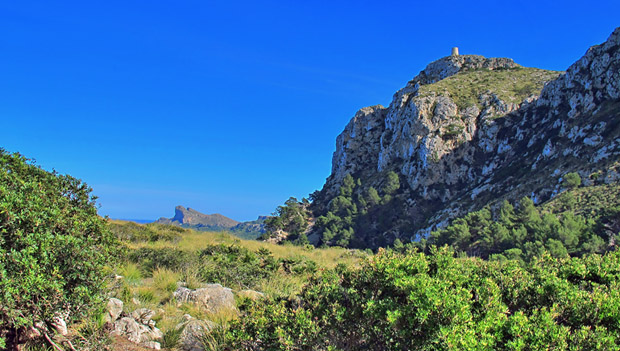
53 247
572 180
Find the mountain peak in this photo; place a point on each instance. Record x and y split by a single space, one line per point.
451 65
467 132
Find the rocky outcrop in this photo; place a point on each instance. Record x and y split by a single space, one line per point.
213 298
469 131
114 309
138 326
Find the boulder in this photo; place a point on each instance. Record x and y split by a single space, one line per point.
129 328
214 298
193 334
114 310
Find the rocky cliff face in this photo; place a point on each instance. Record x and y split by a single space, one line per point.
469 131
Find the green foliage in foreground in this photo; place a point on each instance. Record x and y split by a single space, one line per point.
53 246
413 301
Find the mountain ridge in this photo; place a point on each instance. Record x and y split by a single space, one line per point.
469 132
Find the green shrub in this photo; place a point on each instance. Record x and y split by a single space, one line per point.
234 266
414 301
572 180
149 259
54 248
133 232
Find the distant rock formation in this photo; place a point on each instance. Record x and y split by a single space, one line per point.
191 217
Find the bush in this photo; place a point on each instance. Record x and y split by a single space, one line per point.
54 247
133 232
414 301
572 180
149 259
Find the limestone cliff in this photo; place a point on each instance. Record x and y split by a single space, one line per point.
470 131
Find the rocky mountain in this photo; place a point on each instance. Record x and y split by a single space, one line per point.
470 131
190 218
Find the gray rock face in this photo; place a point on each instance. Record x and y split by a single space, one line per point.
456 159
358 140
214 298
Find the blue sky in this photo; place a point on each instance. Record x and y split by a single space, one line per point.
232 107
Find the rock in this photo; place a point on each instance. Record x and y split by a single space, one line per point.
193 333
114 310
129 328
143 315
214 298
152 345
138 327
60 325
251 294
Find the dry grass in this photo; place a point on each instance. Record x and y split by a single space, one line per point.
193 240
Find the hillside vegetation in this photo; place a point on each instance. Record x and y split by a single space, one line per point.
510 85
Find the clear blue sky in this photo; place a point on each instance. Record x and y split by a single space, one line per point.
233 106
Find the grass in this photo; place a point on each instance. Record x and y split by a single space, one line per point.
152 286
510 85
131 273
194 240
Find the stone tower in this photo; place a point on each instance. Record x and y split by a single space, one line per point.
455 51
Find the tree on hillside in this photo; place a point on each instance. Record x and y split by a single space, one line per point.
291 218
54 249
572 180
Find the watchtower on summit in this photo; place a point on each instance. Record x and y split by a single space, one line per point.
455 51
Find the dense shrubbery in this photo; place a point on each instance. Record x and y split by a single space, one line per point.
53 246
414 301
133 232
230 265
526 232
